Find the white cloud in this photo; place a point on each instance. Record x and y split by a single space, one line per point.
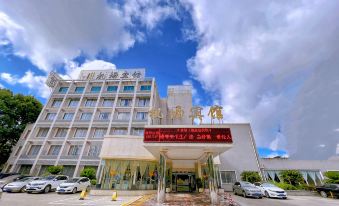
8 78
2 86
255 56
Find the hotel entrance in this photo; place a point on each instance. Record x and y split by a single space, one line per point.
183 182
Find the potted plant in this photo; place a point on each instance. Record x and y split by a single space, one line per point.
199 184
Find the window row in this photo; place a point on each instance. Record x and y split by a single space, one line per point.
72 150
97 89
87 116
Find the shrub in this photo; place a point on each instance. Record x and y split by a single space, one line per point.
93 182
250 176
285 186
89 173
306 187
199 182
55 170
293 177
332 177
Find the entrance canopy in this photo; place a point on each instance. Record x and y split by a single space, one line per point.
187 142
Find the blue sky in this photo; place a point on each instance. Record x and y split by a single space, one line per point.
267 63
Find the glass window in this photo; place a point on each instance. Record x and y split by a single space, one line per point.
95 89
68 116
90 102
79 90
107 103
93 151
18 151
141 116
123 115
143 102
54 150
50 116
43 132
86 116
61 132
80 133
125 102
73 103
74 150
145 88
63 90
112 88
104 115
138 131
34 150
128 88
98 133
119 131
56 103
228 177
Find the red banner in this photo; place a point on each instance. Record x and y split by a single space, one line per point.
189 135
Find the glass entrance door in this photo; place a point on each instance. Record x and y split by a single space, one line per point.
183 182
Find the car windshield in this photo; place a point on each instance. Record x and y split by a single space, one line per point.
72 180
268 185
247 184
48 178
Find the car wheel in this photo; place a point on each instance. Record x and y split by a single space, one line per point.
244 194
74 190
22 189
267 195
47 189
29 192
323 194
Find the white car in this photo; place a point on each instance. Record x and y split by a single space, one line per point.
4 181
270 190
74 185
19 185
46 184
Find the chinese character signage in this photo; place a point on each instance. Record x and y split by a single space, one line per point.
188 135
52 79
112 74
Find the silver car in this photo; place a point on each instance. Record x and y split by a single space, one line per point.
19 185
246 189
4 181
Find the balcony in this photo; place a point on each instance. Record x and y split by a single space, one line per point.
69 157
49 157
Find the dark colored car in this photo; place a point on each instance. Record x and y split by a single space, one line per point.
246 189
328 190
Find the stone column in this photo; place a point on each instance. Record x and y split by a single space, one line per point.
212 180
161 179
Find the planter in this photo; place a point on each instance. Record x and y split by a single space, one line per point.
168 189
201 190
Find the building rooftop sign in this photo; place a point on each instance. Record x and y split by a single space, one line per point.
187 135
112 74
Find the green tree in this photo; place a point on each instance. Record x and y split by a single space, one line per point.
15 112
293 177
250 176
89 172
55 170
332 177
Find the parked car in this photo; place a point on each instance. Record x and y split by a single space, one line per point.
46 184
19 185
327 190
270 190
74 185
4 181
246 189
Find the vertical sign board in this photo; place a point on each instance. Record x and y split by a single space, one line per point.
188 135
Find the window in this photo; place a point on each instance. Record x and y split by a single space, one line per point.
95 89
227 177
141 116
50 116
68 116
119 131
73 103
112 88
104 115
56 103
90 103
123 115
18 151
34 150
80 133
74 150
54 150
138 131
145 88
86 116
79 90
107 103
42 132
128 88
143 102
61 132
125 102
98 133
93 151
63 90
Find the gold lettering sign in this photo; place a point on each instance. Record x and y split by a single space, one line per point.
215 112
196 113
176 113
